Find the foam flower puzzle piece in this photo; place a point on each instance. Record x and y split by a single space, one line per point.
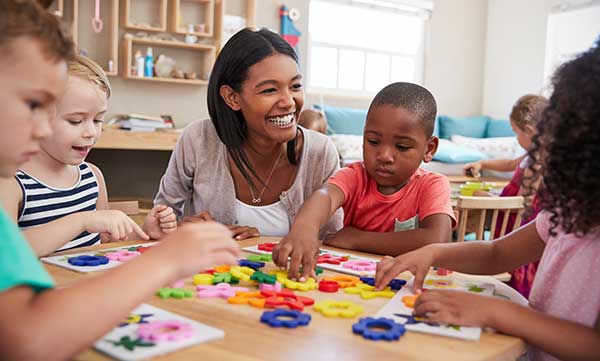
440 283
410 300
159 331
368 292
260 277
88 261
283 278
136 319
285 318
241 273
254 299
332 308
378 329
121 256
255 265
140 249
178 293
344 280
131 345
394 284
267 287
260 257
286 298
360 265
331 259
267 247
222 290
203 279
222 268
328 286
225 277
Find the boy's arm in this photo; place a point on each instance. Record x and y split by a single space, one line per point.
436 228
302 243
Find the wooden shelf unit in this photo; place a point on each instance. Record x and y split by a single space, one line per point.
113 28
220 14
209 59
162 18
208 11
123 139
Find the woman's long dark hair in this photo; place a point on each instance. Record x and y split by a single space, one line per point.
567 145
246 48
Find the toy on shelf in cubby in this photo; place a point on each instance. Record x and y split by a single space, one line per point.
202 27
149 26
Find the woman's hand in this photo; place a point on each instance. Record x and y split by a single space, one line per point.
242 232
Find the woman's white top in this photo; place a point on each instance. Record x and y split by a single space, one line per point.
270 220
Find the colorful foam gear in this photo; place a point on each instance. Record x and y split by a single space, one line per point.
254 299
251 264
225 277
332 308
283 278
121 256
267 247
88 261
368 292
222 290
140 249
344 280
157 331
394 284
291 318
224 268
369 328
328 286
260 277
331 259
360 265
267 287
286 298
177 293
241 273
410 300
203 279
260 257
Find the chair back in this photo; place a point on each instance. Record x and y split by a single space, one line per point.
478 209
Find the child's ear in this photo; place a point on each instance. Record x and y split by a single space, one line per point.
530 129
432 146
231 97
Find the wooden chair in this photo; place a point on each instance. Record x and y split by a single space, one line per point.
480 207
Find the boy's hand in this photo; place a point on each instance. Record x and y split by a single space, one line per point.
347 238
456 308
198 246
112 222
301 250
160 221
472 169
243 232
417 262
203 216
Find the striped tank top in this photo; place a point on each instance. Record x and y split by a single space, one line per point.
43 204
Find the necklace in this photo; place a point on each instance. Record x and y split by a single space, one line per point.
258 199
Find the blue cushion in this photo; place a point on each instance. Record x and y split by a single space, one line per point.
499 128
345 120
436 127
473 127
449 152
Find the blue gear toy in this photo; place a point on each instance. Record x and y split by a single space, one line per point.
252 264
271 318
365 326
88 260
394 284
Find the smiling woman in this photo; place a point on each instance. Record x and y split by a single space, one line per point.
250 166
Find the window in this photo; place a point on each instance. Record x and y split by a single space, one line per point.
356 47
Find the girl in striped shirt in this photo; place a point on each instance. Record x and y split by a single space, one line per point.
58 199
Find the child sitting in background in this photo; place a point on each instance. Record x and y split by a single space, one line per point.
524 117
391 206
58 199
563 321
38 322
313 120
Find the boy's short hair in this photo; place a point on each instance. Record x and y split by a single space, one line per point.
310 118
85 68
411 97
28 18
528 110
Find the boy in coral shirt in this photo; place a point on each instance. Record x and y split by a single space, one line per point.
391 206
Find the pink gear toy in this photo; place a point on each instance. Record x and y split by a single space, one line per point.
158 331
121 256
223 290
360 265
273 288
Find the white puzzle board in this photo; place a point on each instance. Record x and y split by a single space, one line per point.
332 267
399 312
62 261
123 342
